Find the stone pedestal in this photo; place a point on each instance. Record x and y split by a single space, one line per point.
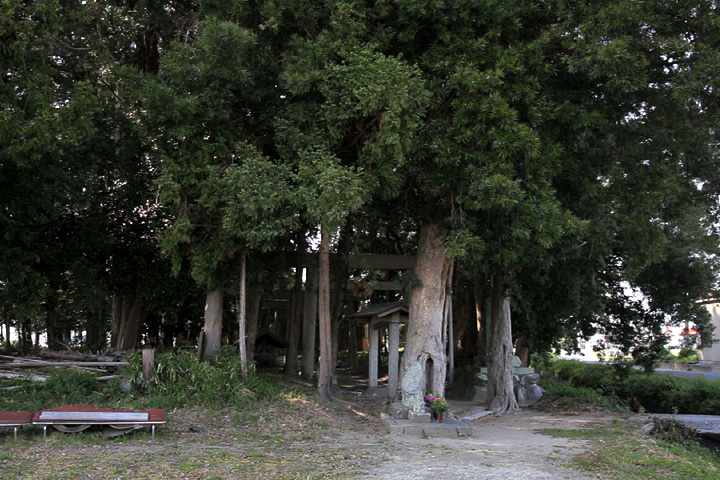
419 417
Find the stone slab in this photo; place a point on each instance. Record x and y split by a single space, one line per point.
523 370
706 425
478 417
450 428
415 430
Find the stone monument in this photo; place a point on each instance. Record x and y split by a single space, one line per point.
412 394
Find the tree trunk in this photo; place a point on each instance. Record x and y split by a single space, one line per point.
310 323
341 276
7 330
242 302
424 341
294 319
523 351
213 322
325 370
500 389
353 350
133 316
253 312
117 316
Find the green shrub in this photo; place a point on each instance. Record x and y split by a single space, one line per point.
63 387
652 392
183 379
595 376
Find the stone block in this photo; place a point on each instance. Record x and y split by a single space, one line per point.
414 430
440 430
398 410
524 370
420 418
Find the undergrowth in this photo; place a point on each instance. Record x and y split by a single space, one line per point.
622 452
641 391
180 379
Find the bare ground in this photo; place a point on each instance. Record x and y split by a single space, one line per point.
300 439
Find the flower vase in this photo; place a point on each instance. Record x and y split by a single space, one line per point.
441 417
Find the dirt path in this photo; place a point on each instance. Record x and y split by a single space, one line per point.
300 439
500 448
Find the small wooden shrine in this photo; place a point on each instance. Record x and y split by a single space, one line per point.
377 317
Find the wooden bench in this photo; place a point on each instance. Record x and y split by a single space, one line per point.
15 420
76 418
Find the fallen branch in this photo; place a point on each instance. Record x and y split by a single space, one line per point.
27 376
36 364
74 356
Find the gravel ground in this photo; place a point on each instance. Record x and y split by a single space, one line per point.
508 447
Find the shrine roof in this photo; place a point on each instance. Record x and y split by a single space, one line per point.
380 310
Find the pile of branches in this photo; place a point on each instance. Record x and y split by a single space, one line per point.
37 368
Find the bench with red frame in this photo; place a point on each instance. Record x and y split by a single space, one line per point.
15 420
76 418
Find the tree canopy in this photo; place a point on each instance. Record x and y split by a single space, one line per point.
562 155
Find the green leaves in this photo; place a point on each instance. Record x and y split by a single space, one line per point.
327 190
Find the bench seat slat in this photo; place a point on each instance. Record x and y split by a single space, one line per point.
103 417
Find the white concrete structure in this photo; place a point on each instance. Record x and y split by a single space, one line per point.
711 353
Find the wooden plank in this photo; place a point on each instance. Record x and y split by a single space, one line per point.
64 364
373 261
109 417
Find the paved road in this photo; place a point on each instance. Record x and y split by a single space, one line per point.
685 373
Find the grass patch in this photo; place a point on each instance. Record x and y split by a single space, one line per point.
622 452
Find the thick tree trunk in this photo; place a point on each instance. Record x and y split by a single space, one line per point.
213 322
325 370
253 312
310 323
241 308
424 341
500 389
294 319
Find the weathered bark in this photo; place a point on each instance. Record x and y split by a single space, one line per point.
325 371
310 323
424 341
213 322
51 322
523 351
132 317
341 277
253 312
8 320
95 340
294 319
353 350
500 390
117 316
241 307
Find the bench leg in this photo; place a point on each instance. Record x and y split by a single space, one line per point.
44 431
153 431
15 432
